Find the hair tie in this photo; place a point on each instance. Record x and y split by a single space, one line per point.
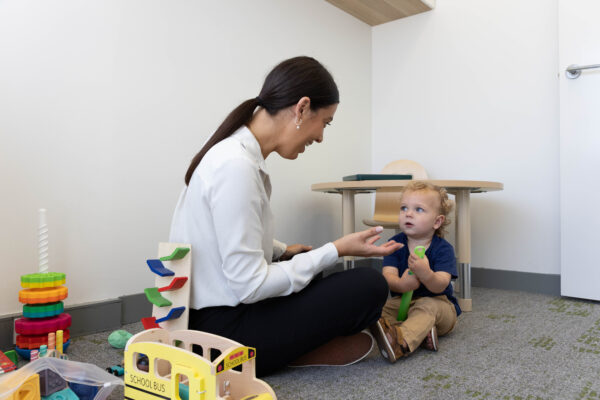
258 100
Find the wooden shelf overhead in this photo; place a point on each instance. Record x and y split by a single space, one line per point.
375 12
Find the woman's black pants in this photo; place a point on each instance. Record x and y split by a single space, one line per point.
284 328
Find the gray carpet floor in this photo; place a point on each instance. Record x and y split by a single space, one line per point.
513 346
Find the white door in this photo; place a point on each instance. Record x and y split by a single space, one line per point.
579 43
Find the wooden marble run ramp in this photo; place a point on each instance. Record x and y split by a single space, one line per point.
153 294
177 254
152 322
154 297
158 268
176 283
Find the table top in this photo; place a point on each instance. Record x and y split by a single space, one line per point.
450 185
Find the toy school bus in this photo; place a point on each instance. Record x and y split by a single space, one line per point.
161 365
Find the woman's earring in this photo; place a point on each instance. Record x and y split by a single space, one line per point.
298 123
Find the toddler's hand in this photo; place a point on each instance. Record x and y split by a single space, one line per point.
419 266
410 281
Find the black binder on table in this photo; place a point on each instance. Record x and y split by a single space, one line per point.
376 177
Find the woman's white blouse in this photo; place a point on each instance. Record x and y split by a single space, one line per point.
225 215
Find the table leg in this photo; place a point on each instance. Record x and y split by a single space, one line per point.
463 248
348 221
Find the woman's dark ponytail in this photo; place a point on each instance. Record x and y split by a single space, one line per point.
238 117
285 85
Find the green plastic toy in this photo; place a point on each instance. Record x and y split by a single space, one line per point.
177 254
118 339
154 297
407 296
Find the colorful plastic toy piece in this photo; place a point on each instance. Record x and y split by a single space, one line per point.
83 391
116 370
28 390
28 326
51 382
177 254
36 341
158 268
173 313
59 341
154 297
216 380
43 295
6 364
420 251
175 284
407 296
43 310
149 323
12 356
65 394
26 353
43 280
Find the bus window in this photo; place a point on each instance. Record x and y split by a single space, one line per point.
214 354
182 387
196 348
140 361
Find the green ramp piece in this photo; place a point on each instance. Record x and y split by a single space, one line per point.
177 254
156 298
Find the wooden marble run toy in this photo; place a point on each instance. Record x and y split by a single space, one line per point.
160 364
42 296
170 296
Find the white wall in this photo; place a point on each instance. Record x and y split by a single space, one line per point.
470 90
104 103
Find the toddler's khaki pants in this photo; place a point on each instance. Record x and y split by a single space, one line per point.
423 314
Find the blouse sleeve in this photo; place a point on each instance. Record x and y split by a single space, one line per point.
237 206
278 249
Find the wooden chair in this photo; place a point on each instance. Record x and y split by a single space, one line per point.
387 201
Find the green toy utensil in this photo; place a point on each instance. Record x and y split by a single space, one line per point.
407 296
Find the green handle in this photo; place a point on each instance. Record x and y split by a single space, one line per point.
407 296
420 251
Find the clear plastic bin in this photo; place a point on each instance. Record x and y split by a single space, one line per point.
71 371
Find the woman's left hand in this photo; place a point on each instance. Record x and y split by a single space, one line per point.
294 249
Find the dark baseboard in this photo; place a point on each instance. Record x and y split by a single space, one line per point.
111 314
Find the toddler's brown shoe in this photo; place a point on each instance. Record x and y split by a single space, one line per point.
388 339
431 341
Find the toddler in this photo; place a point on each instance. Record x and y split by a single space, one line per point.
433 310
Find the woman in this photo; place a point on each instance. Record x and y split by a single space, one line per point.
247 286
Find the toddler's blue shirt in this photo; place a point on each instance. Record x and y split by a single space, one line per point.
441 258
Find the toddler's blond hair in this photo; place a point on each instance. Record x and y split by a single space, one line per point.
445 203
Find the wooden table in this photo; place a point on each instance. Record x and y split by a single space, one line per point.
460 189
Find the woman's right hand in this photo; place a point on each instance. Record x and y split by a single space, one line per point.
362 244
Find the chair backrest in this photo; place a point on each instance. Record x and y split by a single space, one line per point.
405 167
387 202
